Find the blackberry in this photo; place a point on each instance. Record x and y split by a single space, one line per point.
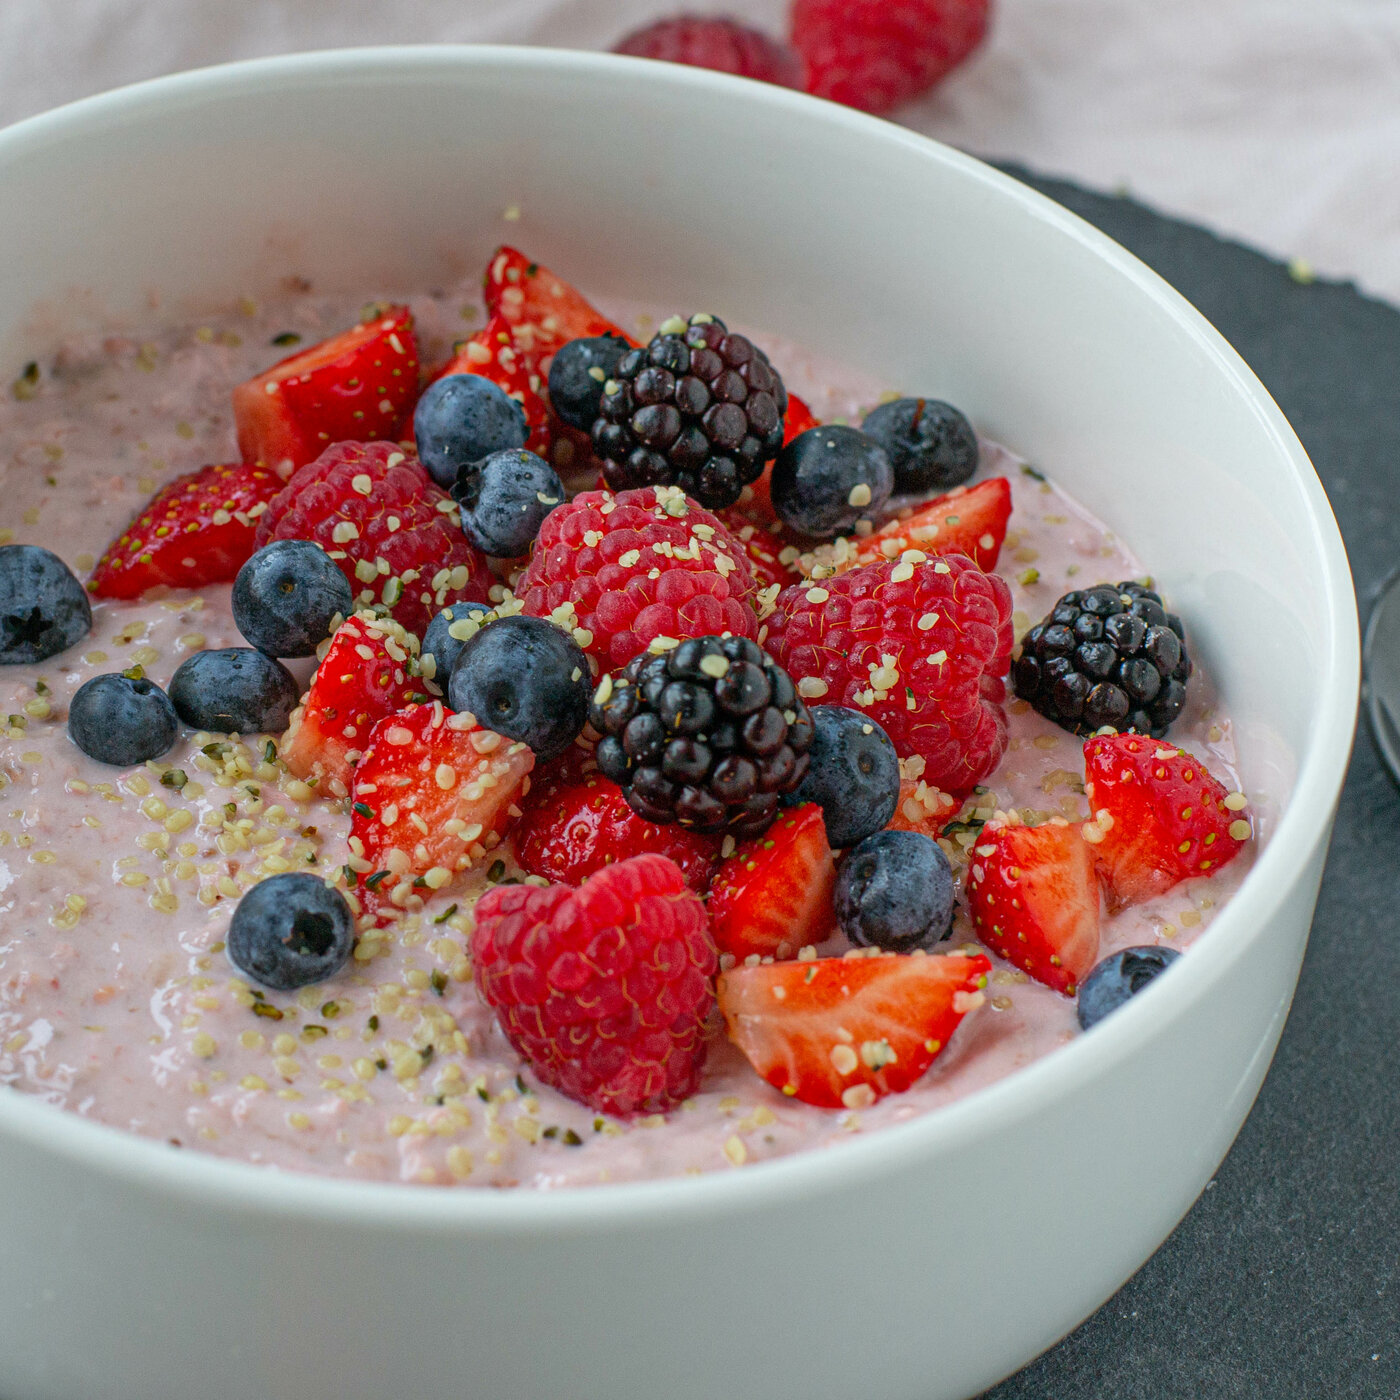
710 735
1106 656
697 408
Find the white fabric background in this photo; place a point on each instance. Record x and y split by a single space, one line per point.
1275 121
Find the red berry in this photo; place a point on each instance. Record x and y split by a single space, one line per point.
197 530
922 808
875 54
576 829
433 793
969 520
773 896
764 550
543 310
843 1032
922 648
1034 896
717 42
358 386
1158 817
367 502
364 676
603 989
492 354
636 566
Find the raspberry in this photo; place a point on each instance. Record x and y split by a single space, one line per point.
921 647
603 989
875 54
377 513
626 569
717 42
697 408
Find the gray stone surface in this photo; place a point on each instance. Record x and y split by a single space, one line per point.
1282 1282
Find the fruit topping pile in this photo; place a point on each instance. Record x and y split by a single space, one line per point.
714 706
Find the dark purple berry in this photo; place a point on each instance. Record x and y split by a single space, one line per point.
1106 657
699 408
710 735
931 446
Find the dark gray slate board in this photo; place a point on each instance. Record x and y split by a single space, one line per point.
1283 1282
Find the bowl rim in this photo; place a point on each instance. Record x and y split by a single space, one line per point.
199 1178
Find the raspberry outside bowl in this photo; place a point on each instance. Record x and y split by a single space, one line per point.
927 1260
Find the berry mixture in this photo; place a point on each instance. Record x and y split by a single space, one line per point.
586 747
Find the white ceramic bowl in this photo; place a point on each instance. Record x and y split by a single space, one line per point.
922 1262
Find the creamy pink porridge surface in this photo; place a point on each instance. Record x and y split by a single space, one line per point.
116 887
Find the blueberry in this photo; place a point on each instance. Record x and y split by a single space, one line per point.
854 775
442 646
462 418
291 930
234 691
895 891
1118 978
43 609
828 478
527 679
578 373
122 720
505 498
931 446
288 596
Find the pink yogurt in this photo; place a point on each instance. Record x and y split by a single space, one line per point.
116 886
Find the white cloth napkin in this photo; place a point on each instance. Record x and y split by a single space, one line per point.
1274 121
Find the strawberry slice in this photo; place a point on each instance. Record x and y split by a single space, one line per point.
543 310
843 1032
923 808
969 520
196 531
1158 816
492 354
774 894
366 674
355 387
764 549
433 793
797 420
578 828
1034 896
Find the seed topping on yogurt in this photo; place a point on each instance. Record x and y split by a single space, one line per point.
574 753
